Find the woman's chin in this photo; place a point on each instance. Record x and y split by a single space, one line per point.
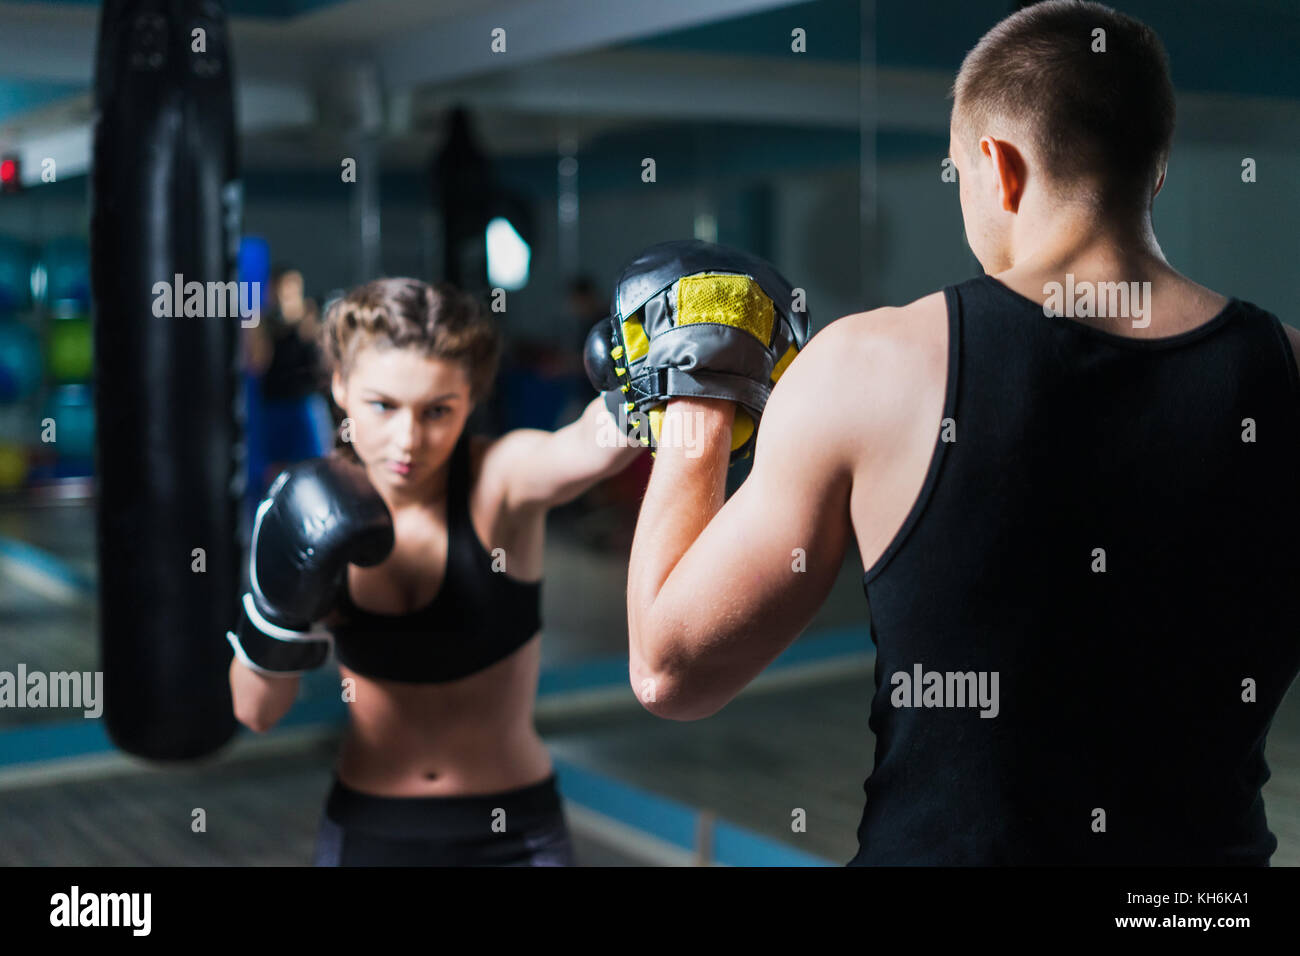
394 477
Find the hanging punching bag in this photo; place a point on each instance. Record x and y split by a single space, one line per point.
165 207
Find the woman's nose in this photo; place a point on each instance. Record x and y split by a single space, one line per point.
408 431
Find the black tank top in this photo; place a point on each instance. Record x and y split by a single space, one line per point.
478 617
1120 691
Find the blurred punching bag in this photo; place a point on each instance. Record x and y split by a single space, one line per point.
462 179
165 202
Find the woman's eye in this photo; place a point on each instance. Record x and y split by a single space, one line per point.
437 412
381 406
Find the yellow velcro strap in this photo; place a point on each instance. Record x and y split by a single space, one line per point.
620 370
741 428
616 352
634 336
733 300
786 359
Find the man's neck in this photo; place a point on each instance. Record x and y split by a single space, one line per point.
1082 254
1090 249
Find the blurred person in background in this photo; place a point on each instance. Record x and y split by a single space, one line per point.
283 356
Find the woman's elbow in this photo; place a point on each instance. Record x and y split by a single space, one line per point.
256 718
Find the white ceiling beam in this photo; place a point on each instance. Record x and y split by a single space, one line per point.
448 51
652 84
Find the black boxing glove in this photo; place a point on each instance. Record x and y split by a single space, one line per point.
695 319
317 518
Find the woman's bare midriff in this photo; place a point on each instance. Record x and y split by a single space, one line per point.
471 736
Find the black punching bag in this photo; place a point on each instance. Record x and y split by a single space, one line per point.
165 202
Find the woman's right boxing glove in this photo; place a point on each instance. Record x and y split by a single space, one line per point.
317 518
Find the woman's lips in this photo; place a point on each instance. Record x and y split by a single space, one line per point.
401 468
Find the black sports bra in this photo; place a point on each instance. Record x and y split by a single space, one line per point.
478 617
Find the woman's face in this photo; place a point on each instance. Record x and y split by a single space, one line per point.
407 412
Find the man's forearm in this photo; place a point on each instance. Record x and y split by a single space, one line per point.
688 486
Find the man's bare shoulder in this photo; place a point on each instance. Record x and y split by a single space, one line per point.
916 321
885 349
873 374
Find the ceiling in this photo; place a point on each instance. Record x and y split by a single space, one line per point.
582 69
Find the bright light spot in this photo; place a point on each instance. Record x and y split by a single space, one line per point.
507 254
38 281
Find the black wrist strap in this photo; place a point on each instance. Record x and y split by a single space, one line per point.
272 650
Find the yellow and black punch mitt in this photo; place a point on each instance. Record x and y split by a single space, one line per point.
695 319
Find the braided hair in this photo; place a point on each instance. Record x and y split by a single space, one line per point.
439 320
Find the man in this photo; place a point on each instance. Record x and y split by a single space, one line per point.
1075 508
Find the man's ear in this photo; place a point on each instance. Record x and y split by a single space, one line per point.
1008 168
338 390
1161 181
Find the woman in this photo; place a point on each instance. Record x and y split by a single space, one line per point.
439 644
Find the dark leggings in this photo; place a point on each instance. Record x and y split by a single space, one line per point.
524 827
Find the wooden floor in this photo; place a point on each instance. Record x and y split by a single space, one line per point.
752 764
765 754
260 812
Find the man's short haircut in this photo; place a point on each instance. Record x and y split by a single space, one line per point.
1102 123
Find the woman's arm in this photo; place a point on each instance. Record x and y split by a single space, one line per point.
260 701
538 468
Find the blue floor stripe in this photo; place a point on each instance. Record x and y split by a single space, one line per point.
584 675
736 846
45 563
826 644
315 710
668 820
673 822
38 743
610 672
